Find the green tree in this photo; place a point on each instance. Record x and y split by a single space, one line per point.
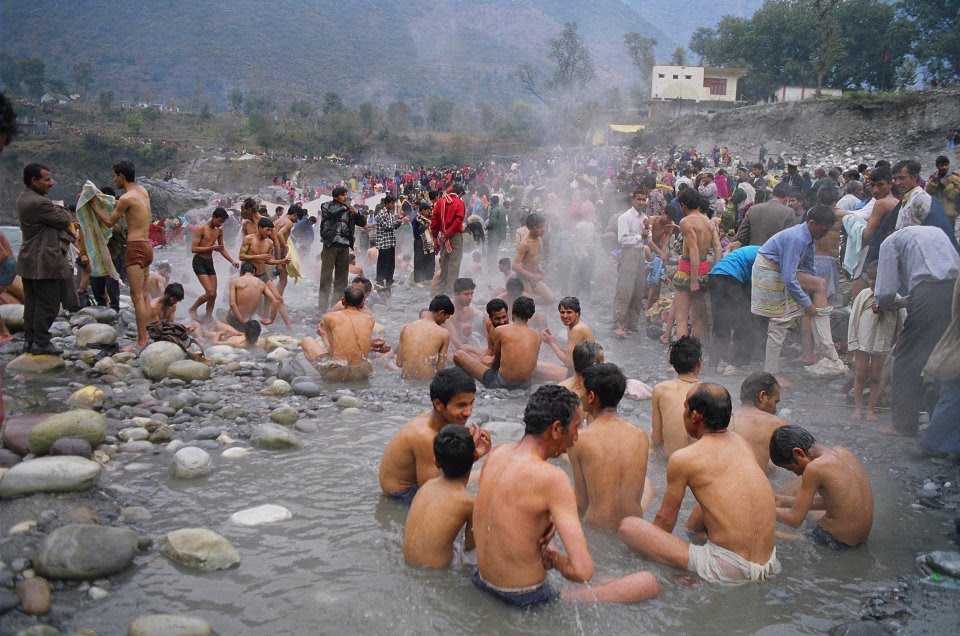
937 36
574 66
332 103
105 101
679 57
301 108
33 75
831 44
134 122
258 104
83 77
440 113
701 39
236 100
261 128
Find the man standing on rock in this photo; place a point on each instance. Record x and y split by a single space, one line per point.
337 222
43 263
207 240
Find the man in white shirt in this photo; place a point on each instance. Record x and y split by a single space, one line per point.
631 277
915 202
851 200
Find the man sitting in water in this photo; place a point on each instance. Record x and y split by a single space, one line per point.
408 461
164 308
442 507
585 355
577 332
465 320
245 294
497 315
422 348
347 340
514 290
523 500
609 460
833 482
756 419
516 348
736 503
669 397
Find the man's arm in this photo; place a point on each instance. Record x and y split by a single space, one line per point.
656 419
442 354
497 346
743 232
233 300
802 502
118 211
551 341
673 496
789 262
223 250
276 301
195 246
52 215
577 564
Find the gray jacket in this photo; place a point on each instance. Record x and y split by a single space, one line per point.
44 253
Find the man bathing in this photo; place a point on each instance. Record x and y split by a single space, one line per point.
347 340
497 316
246 294
527 262
756 419
577 332
701 245
206 240
164 309
258 248
516 348
585 355
422 348
736 503
408 461
667 406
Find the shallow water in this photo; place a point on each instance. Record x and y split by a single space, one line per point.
337 566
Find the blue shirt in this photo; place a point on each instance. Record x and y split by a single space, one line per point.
737 264
792 250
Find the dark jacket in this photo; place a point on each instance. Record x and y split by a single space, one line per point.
763 221
44 252
336 220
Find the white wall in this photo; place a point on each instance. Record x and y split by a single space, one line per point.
686 82
797 93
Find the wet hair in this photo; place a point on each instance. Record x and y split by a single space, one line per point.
534 220
220 213
248 268
514 286
249 204
942 161
126 170
505 260
463 284
265 222
8 119
353 296
449 382
607 381
173 291
685 353
821 215
363 280
494 200
548 404
164 266
425 206
524 308
32 171
689 199
712 401
912 166
338 191
251 331
454 449
442 303
495 305
569 302
785 439
585 354
754 383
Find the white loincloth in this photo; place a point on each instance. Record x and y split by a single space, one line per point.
715 564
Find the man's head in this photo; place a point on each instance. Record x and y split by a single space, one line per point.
881 182
8 122
514 286
454 450
781 191
264 228
124 173
689 200
569 308
463 291
353 296
172 294
247 268
553 414
249 206
38 178
820 220
854 187
686 355
339 194
218 218
535 224
251 332
505 266
761 389
164 268
942 163
605 385
523 308
828 195
906 175
389 201
441 308
497 312
790 448
585 355
639 199
452 393
706 410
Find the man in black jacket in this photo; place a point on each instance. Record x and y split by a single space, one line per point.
337 222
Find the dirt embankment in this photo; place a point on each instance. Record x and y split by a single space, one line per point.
830 131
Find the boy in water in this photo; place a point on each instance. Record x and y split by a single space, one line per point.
686 358
609 460
442 507
832 480
585 355
756 419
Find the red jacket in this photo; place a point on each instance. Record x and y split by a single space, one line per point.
448 214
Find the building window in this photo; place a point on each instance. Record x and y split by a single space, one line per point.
676 77
661 75
715 85
688 76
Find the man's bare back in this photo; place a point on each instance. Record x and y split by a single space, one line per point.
667 414
701 242
408 458
349 334
422 350
246 293
756 427
517 346
441 508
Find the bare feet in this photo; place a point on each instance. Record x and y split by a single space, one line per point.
619 332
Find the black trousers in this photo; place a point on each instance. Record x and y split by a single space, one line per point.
424 265
928 314
386 264
730 307
334 270
106 291
42 298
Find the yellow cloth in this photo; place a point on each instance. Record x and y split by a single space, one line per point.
96 234
293 267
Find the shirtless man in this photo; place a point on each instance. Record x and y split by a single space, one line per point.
422 348
408 461
513 290
527 262
756 419
585 355
133 206
609 460
206 240
158 280
577 332
661 229
258 249
832 481
736 503
251 217
246 292
497 315
222 333
515 350
669 397
282 228
164 309
700 236
443 506
461 328
523 500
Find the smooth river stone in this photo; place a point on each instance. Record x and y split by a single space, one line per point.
199 548
89 397
188 370
274 437
100 314
285 415
82 423
8 458
49 474
34 595
86 552
236 452
96 334
29 363
12 317
190 462
168 625
71 446
267 513
157 357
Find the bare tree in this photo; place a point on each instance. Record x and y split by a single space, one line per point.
831 46
528 80
574 65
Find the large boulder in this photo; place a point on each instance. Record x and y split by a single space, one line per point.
35 364
199 548
169 198
82 423
298 367
12 316
157 357
96 334
274 437
188 370
16 431
86 552
49 474
168 625
190 462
